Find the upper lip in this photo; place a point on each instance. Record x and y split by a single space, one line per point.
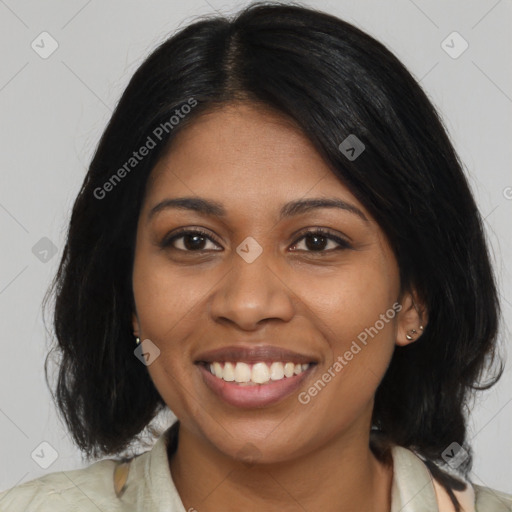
253 354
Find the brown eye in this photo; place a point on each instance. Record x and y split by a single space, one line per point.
317 240
191 241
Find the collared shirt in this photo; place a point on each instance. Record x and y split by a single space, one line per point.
145 484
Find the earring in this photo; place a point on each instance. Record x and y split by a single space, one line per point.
137 340
413 331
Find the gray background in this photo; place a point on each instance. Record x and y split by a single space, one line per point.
52 114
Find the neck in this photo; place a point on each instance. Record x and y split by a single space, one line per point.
341 476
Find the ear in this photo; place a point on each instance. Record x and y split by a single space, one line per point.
412 315
135 325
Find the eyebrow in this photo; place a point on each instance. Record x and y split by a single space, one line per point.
213 208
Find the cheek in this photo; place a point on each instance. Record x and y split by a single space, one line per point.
164 301
352 299
353 311
165 296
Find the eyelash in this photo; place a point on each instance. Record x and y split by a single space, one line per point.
343 244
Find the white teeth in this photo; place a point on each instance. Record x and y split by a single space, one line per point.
276 371
217 369
229 372
288 369
242 372
257 373
260 373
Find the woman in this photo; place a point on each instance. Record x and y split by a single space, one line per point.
276 241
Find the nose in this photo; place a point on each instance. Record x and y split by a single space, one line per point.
251 293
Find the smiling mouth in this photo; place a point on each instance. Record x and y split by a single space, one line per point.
257 373
273 381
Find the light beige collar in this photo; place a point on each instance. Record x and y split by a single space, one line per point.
414 489
147 482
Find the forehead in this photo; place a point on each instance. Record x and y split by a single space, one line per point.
245 156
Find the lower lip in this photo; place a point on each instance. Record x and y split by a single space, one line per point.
252 396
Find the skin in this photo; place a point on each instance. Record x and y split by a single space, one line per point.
313 456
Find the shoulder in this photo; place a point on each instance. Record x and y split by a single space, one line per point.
85 489
492 500
111 485
475 498
410 470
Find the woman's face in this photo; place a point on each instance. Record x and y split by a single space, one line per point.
255 281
